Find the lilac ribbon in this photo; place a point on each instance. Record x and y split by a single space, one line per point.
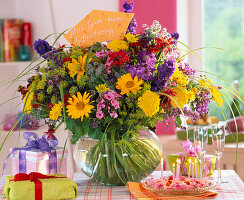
43 144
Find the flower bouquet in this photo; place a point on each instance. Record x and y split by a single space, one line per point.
114 92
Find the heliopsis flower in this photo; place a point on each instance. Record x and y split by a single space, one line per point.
131 38
179 78
149 102
79 106
216 96
182 96
117 45
78 67
127 84
27 102
55 112
102 88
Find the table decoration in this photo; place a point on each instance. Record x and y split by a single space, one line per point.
55 186
189 161
114 88
38 155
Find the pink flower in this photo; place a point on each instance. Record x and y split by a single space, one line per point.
99 114
114 114
101 53
109 96
115 104
101 105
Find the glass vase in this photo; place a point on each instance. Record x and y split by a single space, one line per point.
116 162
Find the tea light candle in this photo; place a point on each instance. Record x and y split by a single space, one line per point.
189 169
193 172
196 169
162 169
173 172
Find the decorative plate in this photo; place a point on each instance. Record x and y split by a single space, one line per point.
195 191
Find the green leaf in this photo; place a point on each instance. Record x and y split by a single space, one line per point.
178 121
95 133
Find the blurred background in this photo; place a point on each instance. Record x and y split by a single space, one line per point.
213 30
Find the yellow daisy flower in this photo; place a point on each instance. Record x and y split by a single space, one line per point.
102 88
79 106
78 67
149 102
182 97
216 95
131 38
117 45
27 102
179 78
55 112
127 84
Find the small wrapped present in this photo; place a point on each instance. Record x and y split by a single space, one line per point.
191 154
38 155
37 186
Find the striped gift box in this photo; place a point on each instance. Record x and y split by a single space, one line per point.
36 161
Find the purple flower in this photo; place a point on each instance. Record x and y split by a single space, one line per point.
165 71
42 47
146 58
128 7
187 70
175 35
202 101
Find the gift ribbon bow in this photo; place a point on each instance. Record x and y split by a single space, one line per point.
44 144
34 177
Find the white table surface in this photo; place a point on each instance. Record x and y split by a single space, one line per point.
88 190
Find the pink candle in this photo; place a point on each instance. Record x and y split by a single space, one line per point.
173 172
193 172
196 169
178 169
162 169
189 169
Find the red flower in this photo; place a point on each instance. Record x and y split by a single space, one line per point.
118 58
50 132
165 101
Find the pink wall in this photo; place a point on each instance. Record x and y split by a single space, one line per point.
165 12
147 10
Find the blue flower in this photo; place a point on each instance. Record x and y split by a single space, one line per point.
42 47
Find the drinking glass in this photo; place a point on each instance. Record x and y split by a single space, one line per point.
200 142
218 141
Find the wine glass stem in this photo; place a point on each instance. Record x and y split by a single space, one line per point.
219 170
201 170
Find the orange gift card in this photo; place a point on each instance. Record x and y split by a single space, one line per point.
99 26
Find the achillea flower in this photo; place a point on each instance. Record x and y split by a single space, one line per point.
55 112
127 84
117 45
216 96
78 67
149 102
79 106
130 38
102 88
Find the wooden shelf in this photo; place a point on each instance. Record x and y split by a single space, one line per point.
18 63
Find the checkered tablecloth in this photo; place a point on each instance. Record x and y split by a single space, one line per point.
88 190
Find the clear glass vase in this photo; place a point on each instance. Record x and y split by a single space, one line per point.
116 162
